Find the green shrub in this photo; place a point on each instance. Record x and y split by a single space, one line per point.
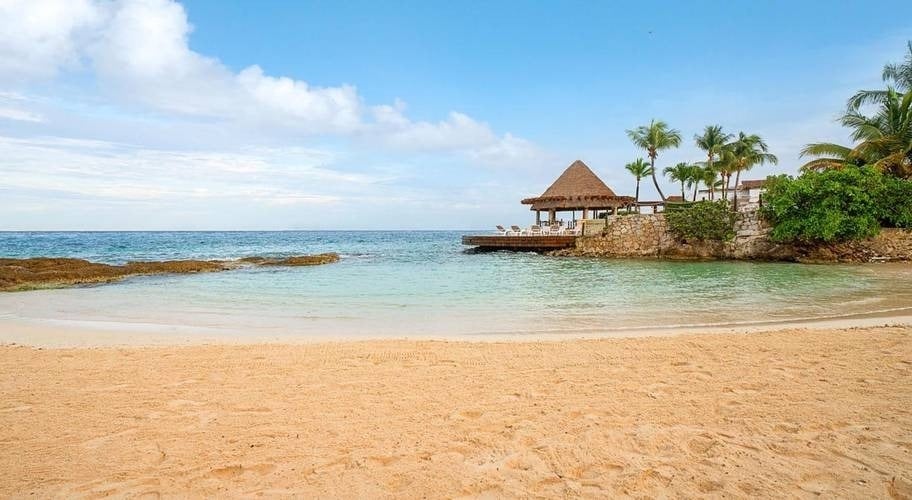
703 220
829 206
895 203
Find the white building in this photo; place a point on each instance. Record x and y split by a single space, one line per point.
751 191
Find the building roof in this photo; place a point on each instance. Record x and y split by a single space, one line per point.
578 187
754 184
674 199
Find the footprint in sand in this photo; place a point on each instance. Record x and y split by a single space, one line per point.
470 414
384 461
233 471
702 445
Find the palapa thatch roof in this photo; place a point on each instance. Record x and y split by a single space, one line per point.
577 188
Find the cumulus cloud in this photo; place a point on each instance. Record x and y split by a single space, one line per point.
139 51
458 132
39 37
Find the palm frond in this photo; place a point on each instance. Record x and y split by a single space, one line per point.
821 164
826 149
864 97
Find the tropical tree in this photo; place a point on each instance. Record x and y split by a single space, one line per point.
883 140
896 75
709 177
712 141
695 178
683 173
744 153
639 168
655 137
829 156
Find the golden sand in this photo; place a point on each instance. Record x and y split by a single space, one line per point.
793 413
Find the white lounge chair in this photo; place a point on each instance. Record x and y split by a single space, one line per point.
501 231
535 230
556 230
515 231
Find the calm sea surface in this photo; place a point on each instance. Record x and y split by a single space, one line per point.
423 283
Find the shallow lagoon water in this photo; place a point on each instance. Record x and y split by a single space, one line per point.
423 283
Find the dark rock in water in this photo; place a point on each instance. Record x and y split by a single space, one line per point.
297 260
50 272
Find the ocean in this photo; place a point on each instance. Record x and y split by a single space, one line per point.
423 283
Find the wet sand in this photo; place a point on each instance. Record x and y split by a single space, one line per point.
791 413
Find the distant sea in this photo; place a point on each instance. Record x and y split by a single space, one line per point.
416 283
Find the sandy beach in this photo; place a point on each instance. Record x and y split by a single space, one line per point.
792 413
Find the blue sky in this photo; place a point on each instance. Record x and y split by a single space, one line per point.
152 114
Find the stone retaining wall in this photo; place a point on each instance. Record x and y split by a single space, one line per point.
647 235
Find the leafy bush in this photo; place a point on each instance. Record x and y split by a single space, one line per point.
828 206
703 220
895 203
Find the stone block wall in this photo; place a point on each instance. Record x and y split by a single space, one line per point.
647 235
638 235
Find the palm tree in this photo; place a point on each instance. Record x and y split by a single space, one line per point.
748 151
709 177
639 168
653 138
694 179
682 172
899 76
829 156
712 141
883 140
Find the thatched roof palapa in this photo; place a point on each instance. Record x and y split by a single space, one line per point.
577 188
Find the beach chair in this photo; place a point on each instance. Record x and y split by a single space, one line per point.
515 231
556 229
501 231
535 230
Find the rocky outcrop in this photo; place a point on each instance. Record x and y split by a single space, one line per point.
48 272
298 260
648 236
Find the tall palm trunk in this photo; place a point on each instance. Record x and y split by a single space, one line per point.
652 161
696 188
637 198
737 180
683 196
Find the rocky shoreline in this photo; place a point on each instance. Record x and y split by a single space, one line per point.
53 272
648 236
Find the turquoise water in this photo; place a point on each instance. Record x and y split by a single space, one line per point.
423 283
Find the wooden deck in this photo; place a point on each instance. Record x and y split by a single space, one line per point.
521 243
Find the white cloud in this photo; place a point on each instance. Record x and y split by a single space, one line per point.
20 115
512 151
331 109
458 132
139 50
54 167
38 37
